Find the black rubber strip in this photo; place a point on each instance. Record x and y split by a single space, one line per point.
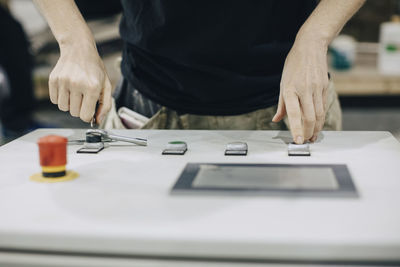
54 174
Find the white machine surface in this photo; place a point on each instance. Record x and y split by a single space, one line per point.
121 207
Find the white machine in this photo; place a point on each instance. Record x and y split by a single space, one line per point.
122 211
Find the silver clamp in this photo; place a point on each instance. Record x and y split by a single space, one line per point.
114 137
96 140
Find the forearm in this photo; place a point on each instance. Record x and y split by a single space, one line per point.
328 19
66 22
304 80
79 79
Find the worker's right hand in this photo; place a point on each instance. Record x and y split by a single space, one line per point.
304 84
79 81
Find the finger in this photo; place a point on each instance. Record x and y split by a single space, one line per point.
308 112
75 104
53 89
63 99
105 102
325 93
88 107
325 99
319 115
281 110
294 115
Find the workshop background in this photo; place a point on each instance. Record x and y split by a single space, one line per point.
364 64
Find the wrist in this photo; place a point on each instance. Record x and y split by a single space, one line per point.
76 39
317 36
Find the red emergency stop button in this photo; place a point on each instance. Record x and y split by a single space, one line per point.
53 155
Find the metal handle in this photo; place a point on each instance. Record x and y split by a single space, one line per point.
105 134
137 141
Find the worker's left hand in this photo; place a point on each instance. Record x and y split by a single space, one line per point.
303 89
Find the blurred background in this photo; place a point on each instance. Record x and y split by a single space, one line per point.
364 64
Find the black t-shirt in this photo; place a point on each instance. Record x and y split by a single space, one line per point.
211 57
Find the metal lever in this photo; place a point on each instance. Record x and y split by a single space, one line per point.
105 134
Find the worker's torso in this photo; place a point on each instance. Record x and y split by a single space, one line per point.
214 57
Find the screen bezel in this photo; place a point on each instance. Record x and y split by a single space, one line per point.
346 187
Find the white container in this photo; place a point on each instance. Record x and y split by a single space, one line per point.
343 48
389 48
